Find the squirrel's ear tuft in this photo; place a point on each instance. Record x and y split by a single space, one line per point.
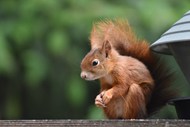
106 48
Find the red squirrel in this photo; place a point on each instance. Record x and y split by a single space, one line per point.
135 83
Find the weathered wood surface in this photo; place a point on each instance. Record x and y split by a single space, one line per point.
95 123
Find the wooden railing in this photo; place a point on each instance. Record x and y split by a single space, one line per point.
96 123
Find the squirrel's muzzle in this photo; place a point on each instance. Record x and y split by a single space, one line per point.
83 75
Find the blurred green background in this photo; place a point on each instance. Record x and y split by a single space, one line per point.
42 43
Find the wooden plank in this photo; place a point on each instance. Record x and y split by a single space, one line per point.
95 123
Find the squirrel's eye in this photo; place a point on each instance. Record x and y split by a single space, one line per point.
95 62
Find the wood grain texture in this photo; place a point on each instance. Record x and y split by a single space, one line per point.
95 123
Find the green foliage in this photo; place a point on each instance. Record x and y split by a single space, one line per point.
57 42
6 58
36 67
43 41
76 92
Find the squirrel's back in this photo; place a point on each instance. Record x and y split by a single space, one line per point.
122 38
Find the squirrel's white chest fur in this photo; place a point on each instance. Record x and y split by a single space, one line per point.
109 79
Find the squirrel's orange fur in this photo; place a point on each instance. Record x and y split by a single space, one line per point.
134 82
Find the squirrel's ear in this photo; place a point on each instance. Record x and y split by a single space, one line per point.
106 48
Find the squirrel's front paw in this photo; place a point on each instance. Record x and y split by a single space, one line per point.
99 101
107 96
103 99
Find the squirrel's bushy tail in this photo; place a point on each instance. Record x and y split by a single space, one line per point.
162 74
119 33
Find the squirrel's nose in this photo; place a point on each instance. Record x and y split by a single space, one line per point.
83 75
